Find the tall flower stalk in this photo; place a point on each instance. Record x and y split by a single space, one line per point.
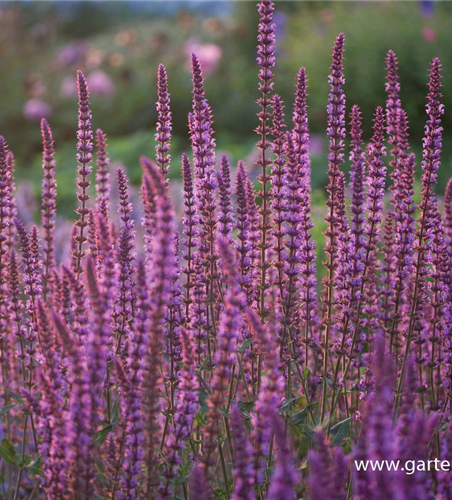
431 161
48 205
203 146
164 123
308 281
190 232
266 61
84 169
161 275
102 173
278 193
336 134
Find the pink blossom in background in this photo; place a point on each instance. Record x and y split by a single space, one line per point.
428 34
71 53
101 84
35 110
68 87
317 146
209 54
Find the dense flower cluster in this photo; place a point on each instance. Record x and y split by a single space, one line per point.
206 360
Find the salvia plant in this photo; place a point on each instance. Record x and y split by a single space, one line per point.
202 358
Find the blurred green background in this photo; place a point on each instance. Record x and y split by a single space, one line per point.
119 45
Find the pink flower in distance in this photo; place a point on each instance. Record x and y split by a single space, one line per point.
35 110
209 54
429 34
101 84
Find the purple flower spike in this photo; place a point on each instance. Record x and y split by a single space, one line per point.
285 477
185 409
161 279
11 164
291 256
243 245
372 228
358 189
31 267
243 469
48 205
190 231
164 126
84 159
5 214
100 334
308 280
203 147
271 391
230 325
148 221
225 215
440 315
254 233
266 62
336 109
203 143
198 484
401 264
433 133
336 134
375 187
102 174
448 231
393 104
278 194
80 311
301 126
82 421
328 471
448 210
344 253
136 365
53 416
431 154
126 257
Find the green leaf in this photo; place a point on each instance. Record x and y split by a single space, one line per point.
17 397
329 381
286 406
33 464
306 373
162 456
245 345
340 431
115 411
6 409
200 418
225 413
347 445
101 435
304 413
8 452
302 430
245 407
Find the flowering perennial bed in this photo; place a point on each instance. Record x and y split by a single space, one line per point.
209 362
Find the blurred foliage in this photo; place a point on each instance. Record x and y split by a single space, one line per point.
119 45
416 31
